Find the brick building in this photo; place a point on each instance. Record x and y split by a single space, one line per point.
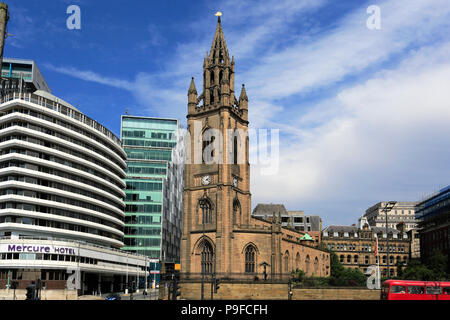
355 246
220 237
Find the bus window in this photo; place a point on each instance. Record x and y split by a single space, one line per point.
415 290
398 289
446 290
433 290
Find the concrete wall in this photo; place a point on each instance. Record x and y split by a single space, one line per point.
273 291
6 294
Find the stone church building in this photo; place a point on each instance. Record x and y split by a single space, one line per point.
220 237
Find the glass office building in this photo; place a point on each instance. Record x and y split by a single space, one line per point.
154 186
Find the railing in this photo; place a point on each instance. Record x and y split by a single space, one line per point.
238 277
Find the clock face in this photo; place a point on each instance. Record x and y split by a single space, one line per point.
206 180
235 182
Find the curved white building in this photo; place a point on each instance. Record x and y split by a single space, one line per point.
60 172
61 192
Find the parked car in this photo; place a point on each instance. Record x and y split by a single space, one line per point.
113 296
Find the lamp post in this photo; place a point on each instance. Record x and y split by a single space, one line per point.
146 277
126 280
388 207
203 206
4 17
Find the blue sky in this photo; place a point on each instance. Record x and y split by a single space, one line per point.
363 114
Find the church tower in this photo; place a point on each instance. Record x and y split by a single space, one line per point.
220 238
216 197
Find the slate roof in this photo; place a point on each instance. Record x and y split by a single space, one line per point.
269 209
354 229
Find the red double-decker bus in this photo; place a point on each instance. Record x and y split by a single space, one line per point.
415 290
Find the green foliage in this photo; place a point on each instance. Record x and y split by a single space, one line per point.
298 275
438 265
336 267
339 276
419 272
399 265
348 277
433 270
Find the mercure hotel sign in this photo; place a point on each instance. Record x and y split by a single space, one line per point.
23 248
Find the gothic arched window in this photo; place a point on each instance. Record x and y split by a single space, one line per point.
236 212
250 259
286 262
211 78
316 265
235 150
207 257
211 96
207 139
307 261
220 76
205 211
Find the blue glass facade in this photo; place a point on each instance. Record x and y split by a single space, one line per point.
153 208
434 225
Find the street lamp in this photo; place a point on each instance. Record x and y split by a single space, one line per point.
388 207
203 206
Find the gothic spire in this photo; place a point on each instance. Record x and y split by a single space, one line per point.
219 50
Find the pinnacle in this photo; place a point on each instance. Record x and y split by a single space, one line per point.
243 95
192 88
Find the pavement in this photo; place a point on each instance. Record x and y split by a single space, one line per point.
152 294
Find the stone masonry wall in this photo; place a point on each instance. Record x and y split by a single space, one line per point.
277 291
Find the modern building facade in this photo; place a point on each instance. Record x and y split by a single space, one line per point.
297 220
414 235
154 185
355 246
433 215
403 212
61 193
19 74
220 237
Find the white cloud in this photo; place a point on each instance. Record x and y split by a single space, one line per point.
390 134
91 76
348 49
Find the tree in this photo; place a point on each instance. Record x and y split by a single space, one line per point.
433 270
419 272
298 275
438 265
336 267
399 265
